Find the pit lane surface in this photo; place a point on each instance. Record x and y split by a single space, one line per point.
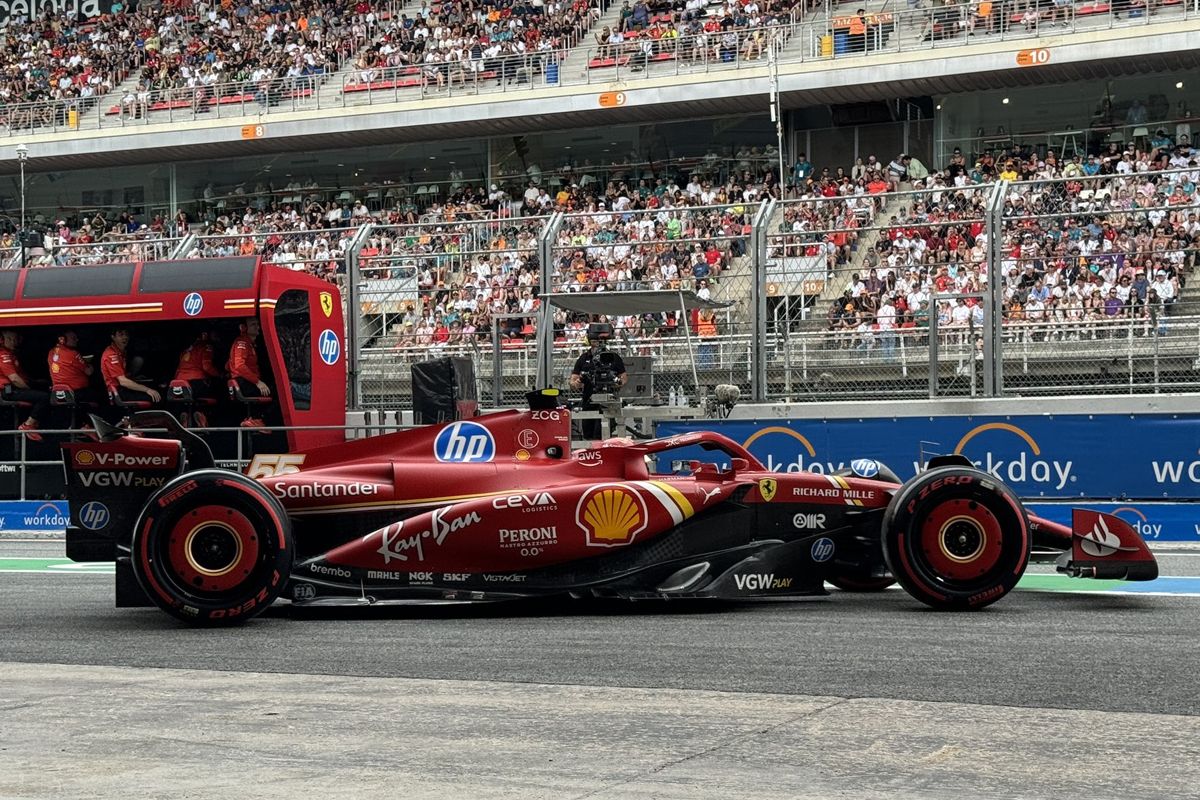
1062 695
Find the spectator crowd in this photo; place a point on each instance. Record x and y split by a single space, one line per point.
454 41
1089 243
1091 246
57 62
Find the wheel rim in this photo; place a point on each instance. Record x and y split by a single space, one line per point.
212 549
960 541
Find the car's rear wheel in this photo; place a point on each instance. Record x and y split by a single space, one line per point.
956 538
212 548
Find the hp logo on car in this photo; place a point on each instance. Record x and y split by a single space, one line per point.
822 549
93 515
193 304
464 443
330 347
864 467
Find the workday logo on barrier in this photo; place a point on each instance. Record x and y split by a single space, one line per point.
773 446
1176 472
1139 522
990 448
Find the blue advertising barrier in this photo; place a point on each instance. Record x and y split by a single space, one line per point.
1098 456
33 516
1156 522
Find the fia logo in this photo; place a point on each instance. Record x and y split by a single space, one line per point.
330 347
822 549
464 443
93 515
193 304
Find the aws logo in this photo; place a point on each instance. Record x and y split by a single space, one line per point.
1023 466
773 446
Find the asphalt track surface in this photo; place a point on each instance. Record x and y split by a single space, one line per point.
1062 695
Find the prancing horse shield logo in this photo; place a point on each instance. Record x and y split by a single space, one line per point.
327 303
767 487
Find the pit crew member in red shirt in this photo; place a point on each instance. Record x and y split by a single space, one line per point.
70 369
112 367
243 361
197 368
15 385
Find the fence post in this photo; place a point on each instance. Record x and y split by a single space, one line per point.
933 351
545 328
993 348
758 297
354 317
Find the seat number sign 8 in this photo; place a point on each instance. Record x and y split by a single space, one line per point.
268 466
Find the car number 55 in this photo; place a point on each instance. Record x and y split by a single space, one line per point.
267 466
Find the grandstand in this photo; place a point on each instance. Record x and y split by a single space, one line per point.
432 193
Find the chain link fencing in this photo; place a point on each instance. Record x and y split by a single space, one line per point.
703 251
462 287
881 295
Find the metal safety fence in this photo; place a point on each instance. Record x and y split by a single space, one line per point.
1054 286
877 294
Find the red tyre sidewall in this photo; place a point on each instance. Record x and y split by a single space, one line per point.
933 580
261 528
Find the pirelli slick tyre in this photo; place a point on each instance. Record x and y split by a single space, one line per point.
212 547
860 582
956 538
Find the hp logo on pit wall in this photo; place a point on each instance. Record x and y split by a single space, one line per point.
464 443
93 515
329 346
822 549
193 304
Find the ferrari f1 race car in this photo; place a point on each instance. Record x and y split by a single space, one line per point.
499 507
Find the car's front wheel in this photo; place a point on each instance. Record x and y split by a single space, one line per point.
212 547
956 538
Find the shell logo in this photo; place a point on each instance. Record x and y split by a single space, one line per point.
611 515
85 457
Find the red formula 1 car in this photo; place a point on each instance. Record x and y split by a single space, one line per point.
499 507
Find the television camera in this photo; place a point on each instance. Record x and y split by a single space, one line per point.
602 376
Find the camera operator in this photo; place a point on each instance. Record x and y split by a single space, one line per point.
597 371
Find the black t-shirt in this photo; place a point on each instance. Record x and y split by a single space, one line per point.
585 368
